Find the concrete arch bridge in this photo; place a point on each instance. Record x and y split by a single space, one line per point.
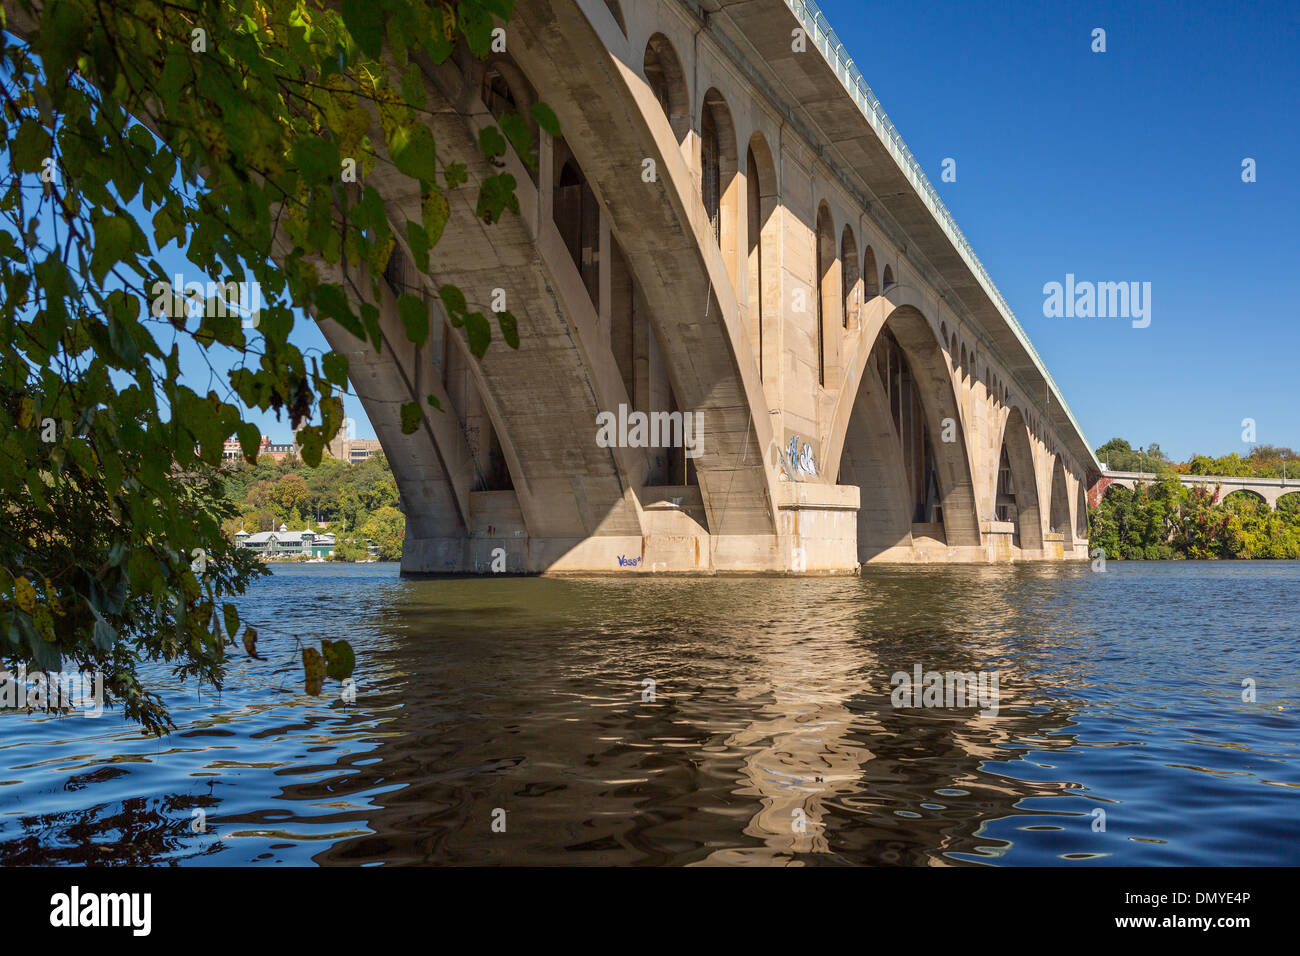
730 235
1268 490
732 253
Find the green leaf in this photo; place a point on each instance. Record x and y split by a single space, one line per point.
521 137
331 303
418 240
499 8
24 594
497 194
112 243
435 212
250 442
415 316
311 445
365 21
440 40
413 87
314 666
332 418
546 119
175 74
317 159
340 659
411 417
476 26
370 321
478 332
397 41
455 175
231 617
336 368
414 152
166 228
491 142
453 300
31 147
509 328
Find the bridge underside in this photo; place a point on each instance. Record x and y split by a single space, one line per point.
812 412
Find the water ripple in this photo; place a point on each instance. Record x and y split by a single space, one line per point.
706 722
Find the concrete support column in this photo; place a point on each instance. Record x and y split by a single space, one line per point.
545 180
603 308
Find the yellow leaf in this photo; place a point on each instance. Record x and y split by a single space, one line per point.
24 594
314 665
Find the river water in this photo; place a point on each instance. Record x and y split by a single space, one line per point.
707 721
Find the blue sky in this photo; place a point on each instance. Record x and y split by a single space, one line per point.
1115 166
1119 166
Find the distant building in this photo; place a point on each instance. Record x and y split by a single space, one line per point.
287 544
232 451
279 452
352 450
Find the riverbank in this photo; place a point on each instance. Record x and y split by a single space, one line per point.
1163 520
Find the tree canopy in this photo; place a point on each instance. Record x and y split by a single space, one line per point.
355 502
1118 455
239 135
1165 520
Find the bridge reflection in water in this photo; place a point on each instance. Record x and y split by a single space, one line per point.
771 700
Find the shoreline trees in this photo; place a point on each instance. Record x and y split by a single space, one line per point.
1163 520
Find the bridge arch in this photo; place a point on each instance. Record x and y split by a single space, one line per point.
1060 520
764 261
871 458
872 318
888 280
577 217
720 176
828 295
850 281
1081 513
899 378
505 89
1288 503
1241 496
1016 496
870 275
1121 493
694 309
663 71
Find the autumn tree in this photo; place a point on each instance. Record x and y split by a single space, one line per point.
220 130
